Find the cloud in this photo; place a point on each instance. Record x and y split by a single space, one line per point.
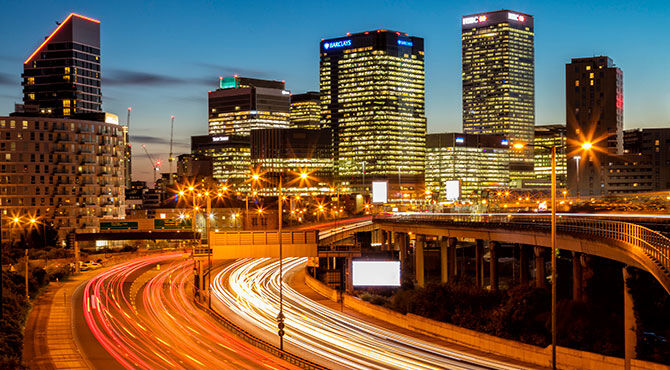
118 77
157 140
7 80
10 59
221 70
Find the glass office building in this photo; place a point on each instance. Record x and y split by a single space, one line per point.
230 156
305 110
243 104
499 82
547 136
476 162
372 97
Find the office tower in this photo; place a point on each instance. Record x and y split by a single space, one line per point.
293 151
63 171
305 111
243 104
594 113
61 78
372 97
547 136
473 163
230 156
499 82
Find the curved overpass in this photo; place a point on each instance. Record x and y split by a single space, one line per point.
626 242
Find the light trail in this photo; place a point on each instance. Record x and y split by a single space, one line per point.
161 327
250 289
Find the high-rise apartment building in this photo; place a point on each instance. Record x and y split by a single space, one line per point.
61 78
305 111
63 171
373 97
476 162
243 104
594 113
499 82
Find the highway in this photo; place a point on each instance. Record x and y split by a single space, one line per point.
144 318
250 289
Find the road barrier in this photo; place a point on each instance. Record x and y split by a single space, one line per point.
259 343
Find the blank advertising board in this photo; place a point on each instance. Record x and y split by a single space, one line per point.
376 273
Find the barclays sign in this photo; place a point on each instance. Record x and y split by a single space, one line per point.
336 44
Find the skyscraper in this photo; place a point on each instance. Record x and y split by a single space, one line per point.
243 104
594 113
499 81
306 110
61 78
372 97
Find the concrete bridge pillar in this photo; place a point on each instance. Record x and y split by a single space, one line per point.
444 270
493 252
418 260
479 262
630 325
524 269
451 251
540 281
348 274
403 242
576 276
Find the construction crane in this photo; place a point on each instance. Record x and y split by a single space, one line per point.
155 165
171 157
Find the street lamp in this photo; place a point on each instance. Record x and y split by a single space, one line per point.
554 250
302 177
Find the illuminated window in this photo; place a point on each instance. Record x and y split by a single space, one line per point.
66 103
588 68
66 111
591 75
31 96
591 82
576 82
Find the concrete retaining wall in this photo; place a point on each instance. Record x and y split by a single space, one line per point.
566 358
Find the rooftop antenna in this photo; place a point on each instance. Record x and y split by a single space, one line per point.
171 157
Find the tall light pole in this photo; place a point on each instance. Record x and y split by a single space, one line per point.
554 250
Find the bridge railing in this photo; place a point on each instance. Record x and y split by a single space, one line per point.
653 244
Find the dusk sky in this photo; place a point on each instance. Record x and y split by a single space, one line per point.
161 57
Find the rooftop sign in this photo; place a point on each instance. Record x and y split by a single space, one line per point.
336 44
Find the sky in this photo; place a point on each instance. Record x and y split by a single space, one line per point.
162 57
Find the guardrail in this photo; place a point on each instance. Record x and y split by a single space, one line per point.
259 343
651 243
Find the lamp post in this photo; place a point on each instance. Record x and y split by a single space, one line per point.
554 250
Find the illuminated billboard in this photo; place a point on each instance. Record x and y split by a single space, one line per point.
379 192
336 44
453 189
376 273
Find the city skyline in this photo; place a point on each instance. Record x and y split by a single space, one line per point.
177 66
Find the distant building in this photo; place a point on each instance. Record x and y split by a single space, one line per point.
498 56
629 173
243 104
229 155
477 162
594 113
305 111
654 143
61 78
194 166
546 137
293 151
373 99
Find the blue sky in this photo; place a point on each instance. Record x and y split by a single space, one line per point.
160 56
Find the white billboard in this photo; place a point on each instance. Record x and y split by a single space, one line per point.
376 273
379 192
453 189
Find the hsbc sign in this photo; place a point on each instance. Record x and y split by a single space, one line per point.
475 19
